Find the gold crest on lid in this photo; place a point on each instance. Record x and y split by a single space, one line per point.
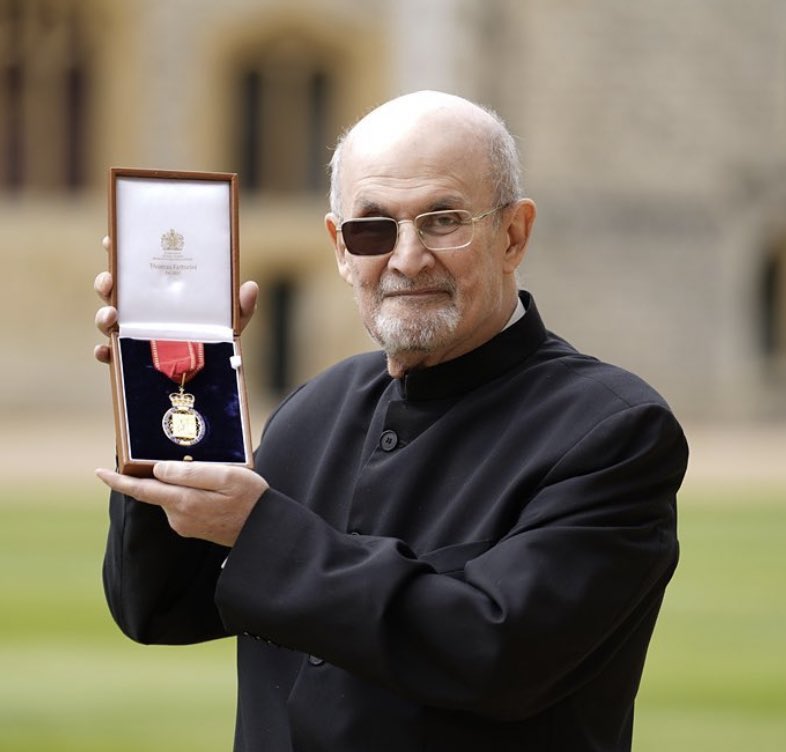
172 241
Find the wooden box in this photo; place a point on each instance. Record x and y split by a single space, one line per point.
177 377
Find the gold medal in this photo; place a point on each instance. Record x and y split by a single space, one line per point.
180 361
181 423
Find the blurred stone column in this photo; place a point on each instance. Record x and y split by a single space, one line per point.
450 45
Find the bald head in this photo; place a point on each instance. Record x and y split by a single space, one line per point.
419 123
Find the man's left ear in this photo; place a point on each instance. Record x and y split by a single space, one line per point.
519 227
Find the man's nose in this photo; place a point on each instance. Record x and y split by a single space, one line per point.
410 256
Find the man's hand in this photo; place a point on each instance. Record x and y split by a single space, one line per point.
200 499
106 316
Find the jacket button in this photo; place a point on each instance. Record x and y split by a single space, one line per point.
315 660
388 441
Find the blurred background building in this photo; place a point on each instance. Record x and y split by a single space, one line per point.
653 135
653 139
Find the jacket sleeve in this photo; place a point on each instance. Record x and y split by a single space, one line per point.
160 587
514 629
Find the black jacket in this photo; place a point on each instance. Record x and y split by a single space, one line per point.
470 558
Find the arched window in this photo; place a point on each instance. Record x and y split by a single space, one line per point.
773 304
280 295
285 118
44 91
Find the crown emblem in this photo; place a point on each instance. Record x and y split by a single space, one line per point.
172 241
182 400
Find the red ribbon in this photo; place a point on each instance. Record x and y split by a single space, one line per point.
180 361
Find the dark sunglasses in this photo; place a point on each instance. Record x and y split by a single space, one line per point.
445 230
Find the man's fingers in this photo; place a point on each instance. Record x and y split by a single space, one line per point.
249 295
143 489
102 353
103 285
211 477
205 476
106 318
105 242
235 482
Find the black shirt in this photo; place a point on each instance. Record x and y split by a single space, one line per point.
470 558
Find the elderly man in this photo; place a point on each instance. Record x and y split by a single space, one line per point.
458 543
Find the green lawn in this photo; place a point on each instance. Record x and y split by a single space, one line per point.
715 679
69 680
716 672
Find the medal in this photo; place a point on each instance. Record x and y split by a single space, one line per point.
181 423
180 361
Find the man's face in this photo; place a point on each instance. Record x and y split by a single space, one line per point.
425 306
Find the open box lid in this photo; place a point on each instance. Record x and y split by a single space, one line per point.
173 254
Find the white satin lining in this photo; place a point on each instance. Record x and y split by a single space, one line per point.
166 293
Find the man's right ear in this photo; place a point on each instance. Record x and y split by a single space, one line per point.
344 268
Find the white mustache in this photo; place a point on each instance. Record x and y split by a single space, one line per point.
394 284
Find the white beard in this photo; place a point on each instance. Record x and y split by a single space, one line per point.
424 333
417 329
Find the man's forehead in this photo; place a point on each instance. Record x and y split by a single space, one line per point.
444 158
414 122
412 185
384 203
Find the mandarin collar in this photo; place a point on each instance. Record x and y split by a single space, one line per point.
483 364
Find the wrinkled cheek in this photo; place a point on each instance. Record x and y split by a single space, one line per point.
369 306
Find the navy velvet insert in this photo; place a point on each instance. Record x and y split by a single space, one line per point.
215 388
